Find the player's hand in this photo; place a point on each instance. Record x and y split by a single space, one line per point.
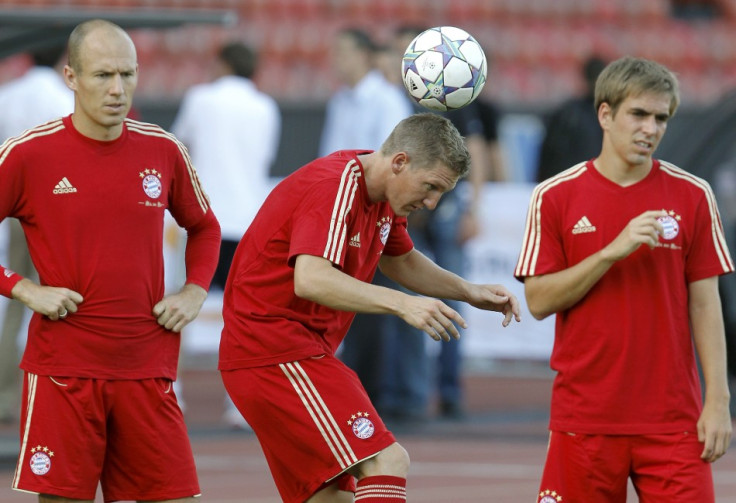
432 316
54 302
174 312
495 298
644 229
714 430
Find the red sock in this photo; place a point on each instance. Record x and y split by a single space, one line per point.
381 489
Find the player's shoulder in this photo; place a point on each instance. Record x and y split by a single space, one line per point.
566 179
338 168
675 174
35 136
137 127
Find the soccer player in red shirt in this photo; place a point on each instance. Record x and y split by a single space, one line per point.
301 272
90 191
627 250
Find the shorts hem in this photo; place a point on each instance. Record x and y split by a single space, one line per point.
152 497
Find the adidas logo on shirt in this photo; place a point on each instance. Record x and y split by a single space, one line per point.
64 187
355 240
583 226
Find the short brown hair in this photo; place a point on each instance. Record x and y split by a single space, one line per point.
429 138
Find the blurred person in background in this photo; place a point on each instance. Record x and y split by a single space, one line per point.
90 190
232 131
627 251
39 95
361 114
302 271
572 132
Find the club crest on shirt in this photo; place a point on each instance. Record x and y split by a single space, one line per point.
385 225
670 223
151 182
41 459
362 426
548 496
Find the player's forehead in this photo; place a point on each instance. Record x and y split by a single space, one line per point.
439 175
648 101
107 50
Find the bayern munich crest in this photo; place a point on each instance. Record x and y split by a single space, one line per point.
151 182
385 224
548 496
41 460
670 224
362 426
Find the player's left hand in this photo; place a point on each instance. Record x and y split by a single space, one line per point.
175 311
714 430
495 298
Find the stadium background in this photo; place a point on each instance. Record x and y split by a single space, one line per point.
535 49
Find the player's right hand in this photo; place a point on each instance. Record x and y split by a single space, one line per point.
644 229
432 316
54 302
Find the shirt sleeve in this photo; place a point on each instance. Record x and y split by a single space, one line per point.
399 242
10 188
708 255
321 220
190 207
542 250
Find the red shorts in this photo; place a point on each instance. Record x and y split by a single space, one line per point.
129 436
597 468
313 420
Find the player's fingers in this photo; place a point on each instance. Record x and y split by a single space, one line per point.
453 316
75 297
438 328
159 308
507 317
432 333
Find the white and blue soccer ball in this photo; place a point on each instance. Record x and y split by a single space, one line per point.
444 68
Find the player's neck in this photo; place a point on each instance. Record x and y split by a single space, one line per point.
374 183
621 172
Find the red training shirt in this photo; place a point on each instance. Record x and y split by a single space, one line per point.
624 354
93 215
322 210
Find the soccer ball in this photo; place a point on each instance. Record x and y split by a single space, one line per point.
444 68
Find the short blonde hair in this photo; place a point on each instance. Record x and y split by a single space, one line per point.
631 76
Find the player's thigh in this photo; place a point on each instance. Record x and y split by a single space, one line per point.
669 468
313 419
149 454
585 468
62 437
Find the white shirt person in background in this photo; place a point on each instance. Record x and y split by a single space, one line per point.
232 131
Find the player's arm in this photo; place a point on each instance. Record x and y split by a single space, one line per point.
416 272
547 294
201 254
316 279
706 318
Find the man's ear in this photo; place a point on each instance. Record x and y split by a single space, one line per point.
70 78
399 162
605 115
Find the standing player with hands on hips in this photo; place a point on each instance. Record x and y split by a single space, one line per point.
627 250
302 271
90 191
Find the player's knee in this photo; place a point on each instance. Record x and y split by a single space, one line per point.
393 460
